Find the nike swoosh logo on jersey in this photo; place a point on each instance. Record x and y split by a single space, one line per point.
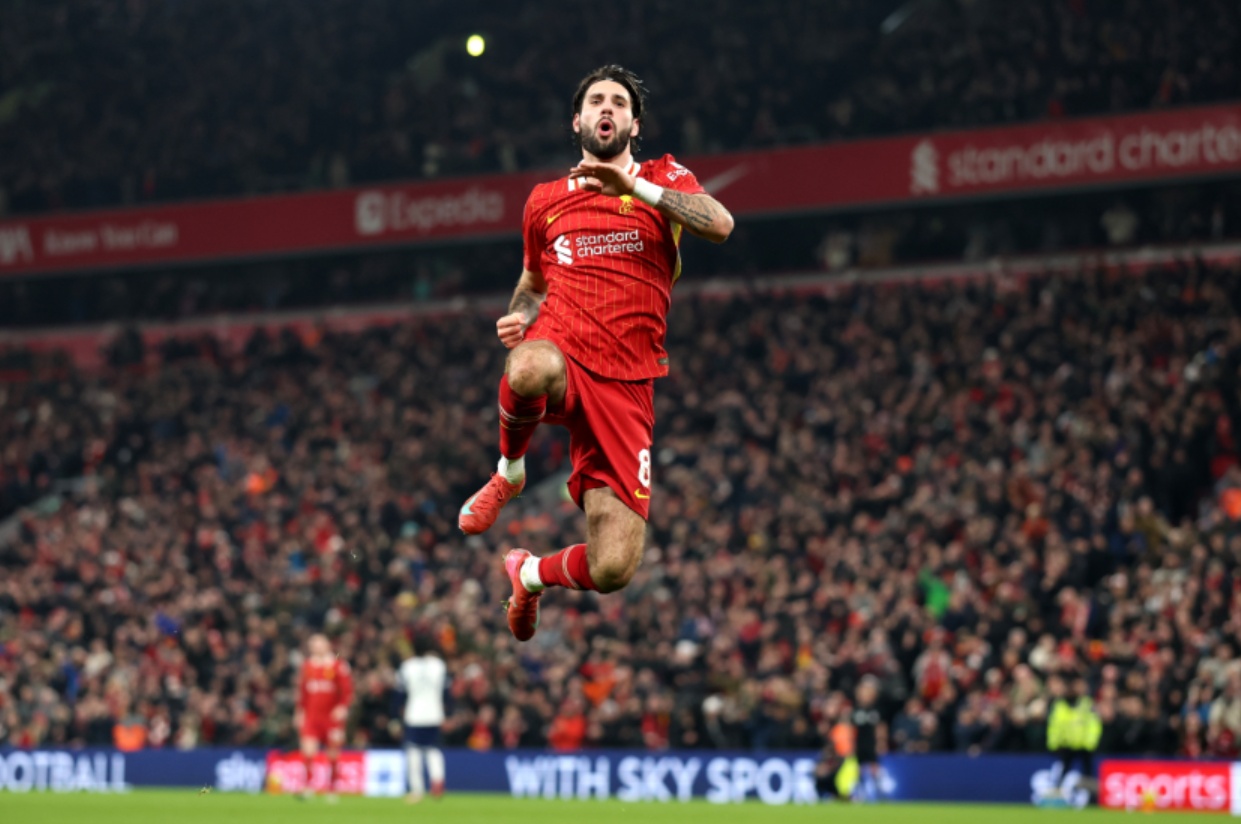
637 493
552 218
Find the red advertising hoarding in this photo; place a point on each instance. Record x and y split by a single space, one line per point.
1151 786
286 773
1040 157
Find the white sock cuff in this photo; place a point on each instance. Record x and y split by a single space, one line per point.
513 470
530 575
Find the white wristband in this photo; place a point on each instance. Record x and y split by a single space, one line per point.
647 192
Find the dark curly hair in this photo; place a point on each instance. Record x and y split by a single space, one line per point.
618 74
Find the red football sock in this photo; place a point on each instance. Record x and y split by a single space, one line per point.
567 568
331 774
519 417
310 765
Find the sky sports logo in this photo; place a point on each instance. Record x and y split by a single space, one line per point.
721 780
1170 785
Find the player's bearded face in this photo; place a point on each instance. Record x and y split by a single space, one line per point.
606 136
605 122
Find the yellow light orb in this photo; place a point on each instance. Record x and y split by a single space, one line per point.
475 45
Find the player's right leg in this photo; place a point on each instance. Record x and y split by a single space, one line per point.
413 761
335 742
308 743
533 377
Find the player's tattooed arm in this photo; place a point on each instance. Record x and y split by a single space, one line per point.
528 294
522 309
701 214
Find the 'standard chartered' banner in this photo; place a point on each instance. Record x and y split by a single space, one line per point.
1065 154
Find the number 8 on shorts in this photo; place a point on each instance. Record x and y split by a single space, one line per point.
644 468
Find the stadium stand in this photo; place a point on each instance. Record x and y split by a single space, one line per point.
307 96
960 487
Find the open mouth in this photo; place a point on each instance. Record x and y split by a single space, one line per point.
606 129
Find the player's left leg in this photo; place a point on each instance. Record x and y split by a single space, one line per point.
615 535
607 561
335 741
435 770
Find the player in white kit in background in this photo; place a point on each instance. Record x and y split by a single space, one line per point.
423 677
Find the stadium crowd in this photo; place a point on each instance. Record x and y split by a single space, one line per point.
962 489
312 95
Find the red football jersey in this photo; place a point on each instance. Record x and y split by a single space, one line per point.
609 264
324 687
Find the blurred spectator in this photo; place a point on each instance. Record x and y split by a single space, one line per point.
1073 726
568 728
1120 223
870 734
130 733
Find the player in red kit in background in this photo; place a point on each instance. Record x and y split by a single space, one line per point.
324 692
586 326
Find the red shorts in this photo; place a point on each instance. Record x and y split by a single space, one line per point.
323 729
611 427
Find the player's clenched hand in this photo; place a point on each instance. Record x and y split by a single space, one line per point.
604 178
512 328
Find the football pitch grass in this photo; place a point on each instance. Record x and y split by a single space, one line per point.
190 807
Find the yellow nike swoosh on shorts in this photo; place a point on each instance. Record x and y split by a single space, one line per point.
637 493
